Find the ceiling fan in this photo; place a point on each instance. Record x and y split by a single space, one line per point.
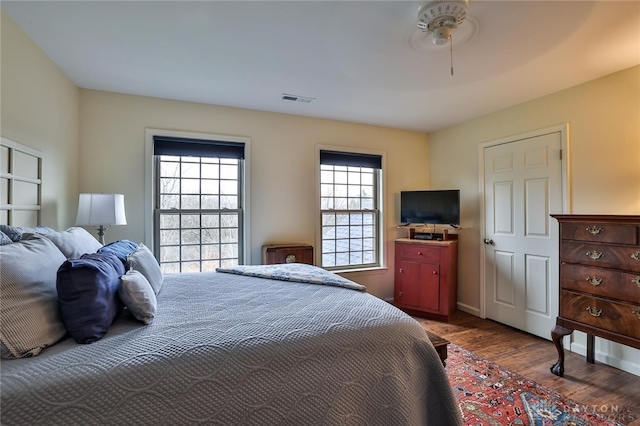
439 17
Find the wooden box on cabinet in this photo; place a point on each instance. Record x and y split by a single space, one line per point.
599 281
287 253
425 278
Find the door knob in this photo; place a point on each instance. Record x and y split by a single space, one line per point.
489 242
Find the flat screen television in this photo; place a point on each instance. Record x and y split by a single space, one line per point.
433 207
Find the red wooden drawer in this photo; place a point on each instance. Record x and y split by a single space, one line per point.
419 252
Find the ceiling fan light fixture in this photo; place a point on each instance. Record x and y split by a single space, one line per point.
438 17
441 35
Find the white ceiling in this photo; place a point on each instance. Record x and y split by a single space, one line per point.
362 61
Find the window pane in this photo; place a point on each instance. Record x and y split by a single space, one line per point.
168 202
190 236
210 202
209 186
190 170
170 186
190 186
229 171
189 202
210 220
229 220
228 187
169 254
169 169
169 221
326 203
190 220
170 237
210 171
228 202
210 236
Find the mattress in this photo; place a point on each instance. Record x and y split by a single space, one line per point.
228 349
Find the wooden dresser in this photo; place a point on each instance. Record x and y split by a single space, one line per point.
287 253
599 281
425 279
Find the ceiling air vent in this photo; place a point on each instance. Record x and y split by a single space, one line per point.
296 98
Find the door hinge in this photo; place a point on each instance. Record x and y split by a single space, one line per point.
561 154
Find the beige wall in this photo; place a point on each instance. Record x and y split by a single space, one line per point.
283 169
40 107
604 138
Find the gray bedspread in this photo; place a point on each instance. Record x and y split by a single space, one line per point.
226 349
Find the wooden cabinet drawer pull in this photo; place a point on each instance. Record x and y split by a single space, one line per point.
636 255
595 255
593 230
594 281
637 312
594 311
636 281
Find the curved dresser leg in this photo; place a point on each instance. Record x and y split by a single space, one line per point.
557 333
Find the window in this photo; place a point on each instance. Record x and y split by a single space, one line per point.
350 188
198 211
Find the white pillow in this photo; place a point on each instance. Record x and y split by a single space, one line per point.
29 304
142 260
138 296
74 242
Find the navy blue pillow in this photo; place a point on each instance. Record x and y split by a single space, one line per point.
121 248
88 295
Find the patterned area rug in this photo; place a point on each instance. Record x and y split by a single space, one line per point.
490 395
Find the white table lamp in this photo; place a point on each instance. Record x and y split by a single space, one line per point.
101 211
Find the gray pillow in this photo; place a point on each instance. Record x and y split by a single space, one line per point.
74 242
142 260
138 296
15 232
4 239
29 304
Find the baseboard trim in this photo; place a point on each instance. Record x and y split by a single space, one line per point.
607 358
469 309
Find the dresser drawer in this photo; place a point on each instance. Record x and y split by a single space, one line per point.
600 232
618 317
601 282
419 252
604 255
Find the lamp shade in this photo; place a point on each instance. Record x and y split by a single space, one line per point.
101 209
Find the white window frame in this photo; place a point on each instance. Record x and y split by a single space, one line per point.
382 256
150 182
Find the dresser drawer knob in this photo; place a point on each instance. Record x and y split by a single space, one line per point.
595 255
593 230
594 281
637 312
636 281
594 311
636 255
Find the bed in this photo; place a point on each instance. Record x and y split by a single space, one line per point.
263 345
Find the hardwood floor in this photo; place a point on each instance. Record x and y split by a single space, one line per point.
609 391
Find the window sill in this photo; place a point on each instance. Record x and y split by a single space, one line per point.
364 271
